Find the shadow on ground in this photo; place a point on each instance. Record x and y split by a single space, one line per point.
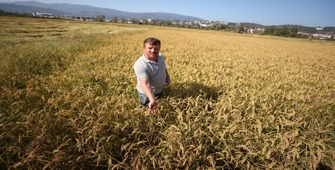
186 90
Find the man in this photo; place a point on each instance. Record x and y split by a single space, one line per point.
151 74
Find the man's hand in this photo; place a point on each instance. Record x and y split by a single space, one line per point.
153 106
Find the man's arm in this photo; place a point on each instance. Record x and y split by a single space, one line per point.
145 83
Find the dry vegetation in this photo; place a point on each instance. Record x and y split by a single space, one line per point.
68 99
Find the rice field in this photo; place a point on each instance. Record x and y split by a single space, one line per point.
68 99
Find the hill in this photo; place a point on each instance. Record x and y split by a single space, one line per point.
85 10
28 9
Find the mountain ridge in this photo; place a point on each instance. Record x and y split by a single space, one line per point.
87 10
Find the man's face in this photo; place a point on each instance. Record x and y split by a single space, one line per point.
151 51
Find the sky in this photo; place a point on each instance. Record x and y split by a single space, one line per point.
311 13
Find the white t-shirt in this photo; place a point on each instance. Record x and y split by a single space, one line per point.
155 71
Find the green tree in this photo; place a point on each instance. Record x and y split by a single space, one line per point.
269 31
293 32
101 18
241 29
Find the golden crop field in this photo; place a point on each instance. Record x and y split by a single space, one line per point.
68 99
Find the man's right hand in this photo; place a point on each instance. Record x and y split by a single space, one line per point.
153 106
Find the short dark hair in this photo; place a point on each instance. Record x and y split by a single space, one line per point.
152 41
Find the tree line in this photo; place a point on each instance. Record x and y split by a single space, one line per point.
282 31
4 13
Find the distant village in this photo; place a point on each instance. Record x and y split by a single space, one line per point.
204 24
